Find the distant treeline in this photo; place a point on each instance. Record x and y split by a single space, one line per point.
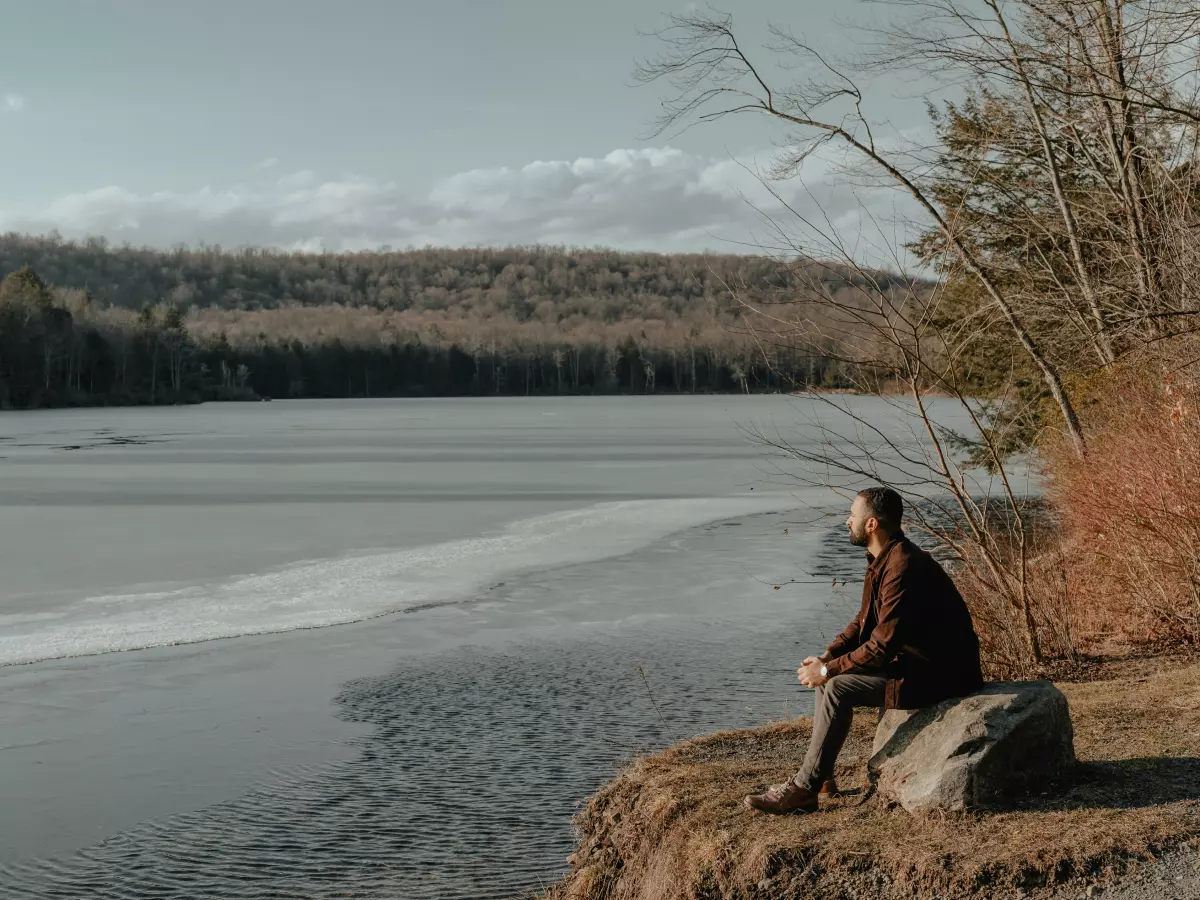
89 324
518 283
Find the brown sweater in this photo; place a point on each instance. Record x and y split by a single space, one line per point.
913 628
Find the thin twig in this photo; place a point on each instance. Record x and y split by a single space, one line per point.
642 671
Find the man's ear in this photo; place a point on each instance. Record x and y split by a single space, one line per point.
871 524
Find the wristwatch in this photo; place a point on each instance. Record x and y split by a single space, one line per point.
824 671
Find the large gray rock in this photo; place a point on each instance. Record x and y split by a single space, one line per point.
973 752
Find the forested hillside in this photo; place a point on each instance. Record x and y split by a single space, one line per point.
91 323
521 283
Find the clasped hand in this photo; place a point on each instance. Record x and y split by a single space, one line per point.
809 672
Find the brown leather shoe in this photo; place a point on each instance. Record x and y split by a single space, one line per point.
828 790
783 798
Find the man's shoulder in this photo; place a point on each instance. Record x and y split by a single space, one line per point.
906 549
908 561
906 555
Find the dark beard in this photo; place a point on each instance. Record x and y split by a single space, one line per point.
858 539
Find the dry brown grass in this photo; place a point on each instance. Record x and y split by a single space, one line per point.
670 826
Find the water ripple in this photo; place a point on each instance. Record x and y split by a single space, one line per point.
465 785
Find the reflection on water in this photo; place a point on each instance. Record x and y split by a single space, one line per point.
467 782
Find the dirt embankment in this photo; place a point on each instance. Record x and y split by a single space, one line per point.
670 826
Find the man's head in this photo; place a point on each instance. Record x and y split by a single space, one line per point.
875 510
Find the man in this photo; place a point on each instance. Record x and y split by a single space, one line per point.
912 644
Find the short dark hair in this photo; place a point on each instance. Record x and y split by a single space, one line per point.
885 505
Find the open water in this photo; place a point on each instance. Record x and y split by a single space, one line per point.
382 648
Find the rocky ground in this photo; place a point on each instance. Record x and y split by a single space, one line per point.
1174 877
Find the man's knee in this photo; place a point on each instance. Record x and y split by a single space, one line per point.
838 688
852 690
841 688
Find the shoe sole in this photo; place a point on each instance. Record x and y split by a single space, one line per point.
786 812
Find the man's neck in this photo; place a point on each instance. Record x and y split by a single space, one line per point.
876 542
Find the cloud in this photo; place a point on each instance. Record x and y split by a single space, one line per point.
269 163
655 198
13 103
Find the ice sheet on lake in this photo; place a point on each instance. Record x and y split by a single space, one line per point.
349 589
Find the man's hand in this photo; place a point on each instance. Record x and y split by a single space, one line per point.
810 672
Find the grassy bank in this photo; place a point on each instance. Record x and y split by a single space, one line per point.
671 825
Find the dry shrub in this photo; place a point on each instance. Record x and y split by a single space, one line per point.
1130 512
1000 623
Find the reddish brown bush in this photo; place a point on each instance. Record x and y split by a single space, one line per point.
1130 511
1000 622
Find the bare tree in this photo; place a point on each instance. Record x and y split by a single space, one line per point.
1060 205
888 335
1052 210
712 77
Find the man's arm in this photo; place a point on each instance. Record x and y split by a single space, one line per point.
809 672
895 597
844 642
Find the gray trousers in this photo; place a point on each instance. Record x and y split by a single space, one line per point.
836 700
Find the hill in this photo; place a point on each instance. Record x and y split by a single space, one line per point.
154 326
521 283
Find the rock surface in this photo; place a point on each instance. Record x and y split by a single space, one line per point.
974 752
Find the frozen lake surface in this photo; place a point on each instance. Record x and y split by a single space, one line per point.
497 569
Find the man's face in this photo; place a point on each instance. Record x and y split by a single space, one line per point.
857 523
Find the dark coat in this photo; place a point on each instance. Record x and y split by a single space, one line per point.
913 628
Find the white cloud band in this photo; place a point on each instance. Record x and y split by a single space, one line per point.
651 199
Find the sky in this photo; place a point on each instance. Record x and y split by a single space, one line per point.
359 124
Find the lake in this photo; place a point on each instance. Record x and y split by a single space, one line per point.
383 648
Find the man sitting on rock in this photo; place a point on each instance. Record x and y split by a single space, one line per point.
912 644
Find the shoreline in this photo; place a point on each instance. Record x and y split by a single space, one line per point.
670 824
170 404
